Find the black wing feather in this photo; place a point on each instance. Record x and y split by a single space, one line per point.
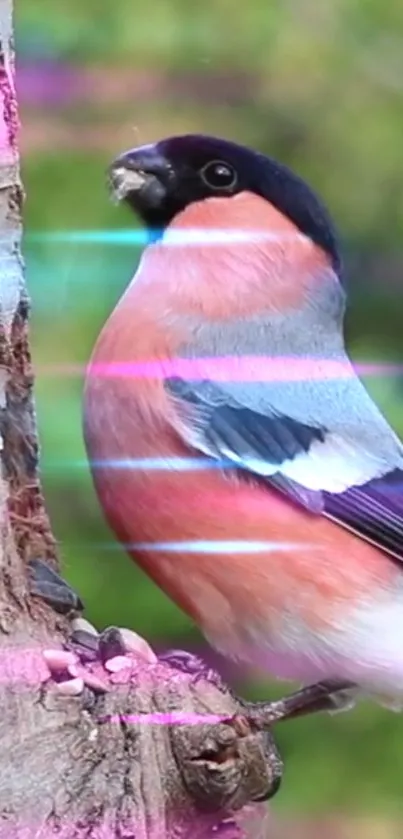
273 437
374 511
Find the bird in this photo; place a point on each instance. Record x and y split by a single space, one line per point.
235 452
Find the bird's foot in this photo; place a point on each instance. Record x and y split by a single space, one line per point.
330 695
45 583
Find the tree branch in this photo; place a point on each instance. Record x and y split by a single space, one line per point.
122 766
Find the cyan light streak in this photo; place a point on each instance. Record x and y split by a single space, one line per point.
157 464
123 237
141 237
164 464
214 546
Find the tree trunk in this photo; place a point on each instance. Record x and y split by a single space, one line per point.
64 768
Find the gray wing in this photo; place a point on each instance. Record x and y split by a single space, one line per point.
323 442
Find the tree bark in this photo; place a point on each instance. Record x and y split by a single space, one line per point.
103 770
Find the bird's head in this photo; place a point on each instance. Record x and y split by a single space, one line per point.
159 181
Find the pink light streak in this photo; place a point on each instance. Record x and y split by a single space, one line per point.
228 368
172 718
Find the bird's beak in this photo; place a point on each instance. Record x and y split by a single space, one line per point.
141 177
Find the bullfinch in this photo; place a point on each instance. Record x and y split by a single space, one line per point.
234 451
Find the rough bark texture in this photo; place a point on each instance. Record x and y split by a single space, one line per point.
66 769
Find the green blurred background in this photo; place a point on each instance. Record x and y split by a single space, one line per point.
320 86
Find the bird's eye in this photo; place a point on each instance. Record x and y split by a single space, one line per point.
219 175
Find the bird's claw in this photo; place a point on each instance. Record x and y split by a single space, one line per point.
328 695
